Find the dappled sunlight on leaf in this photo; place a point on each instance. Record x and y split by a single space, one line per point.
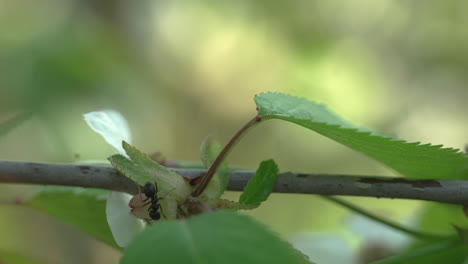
412 160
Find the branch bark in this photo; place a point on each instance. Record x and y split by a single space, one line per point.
106 177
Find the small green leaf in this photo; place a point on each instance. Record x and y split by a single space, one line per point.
144 160
412 160
205 151
261 185
209 151
17 258
211 238
79 207
142 169
130 169
438 252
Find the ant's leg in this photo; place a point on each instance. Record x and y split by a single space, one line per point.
146 204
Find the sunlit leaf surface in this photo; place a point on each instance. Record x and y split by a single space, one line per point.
261 185
412 160
79 207
217 237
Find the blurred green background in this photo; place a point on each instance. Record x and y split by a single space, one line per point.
182 70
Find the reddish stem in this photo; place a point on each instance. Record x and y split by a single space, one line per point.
222 155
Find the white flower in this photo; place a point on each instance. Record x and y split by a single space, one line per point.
124 226
113 127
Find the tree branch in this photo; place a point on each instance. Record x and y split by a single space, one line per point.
91 176
106 177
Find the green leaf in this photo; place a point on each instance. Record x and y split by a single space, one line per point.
17 258
211 238
83 208
215 237
145 161
438 252
142 169
13 122
462 234
130 169
412 160
261 185
209 151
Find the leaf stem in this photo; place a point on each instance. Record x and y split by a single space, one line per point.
397 226
222 155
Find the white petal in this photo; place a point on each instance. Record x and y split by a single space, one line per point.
124 226
111 125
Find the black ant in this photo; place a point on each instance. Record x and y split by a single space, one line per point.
151 191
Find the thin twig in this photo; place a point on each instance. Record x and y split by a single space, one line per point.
394 225
105 177
222 155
